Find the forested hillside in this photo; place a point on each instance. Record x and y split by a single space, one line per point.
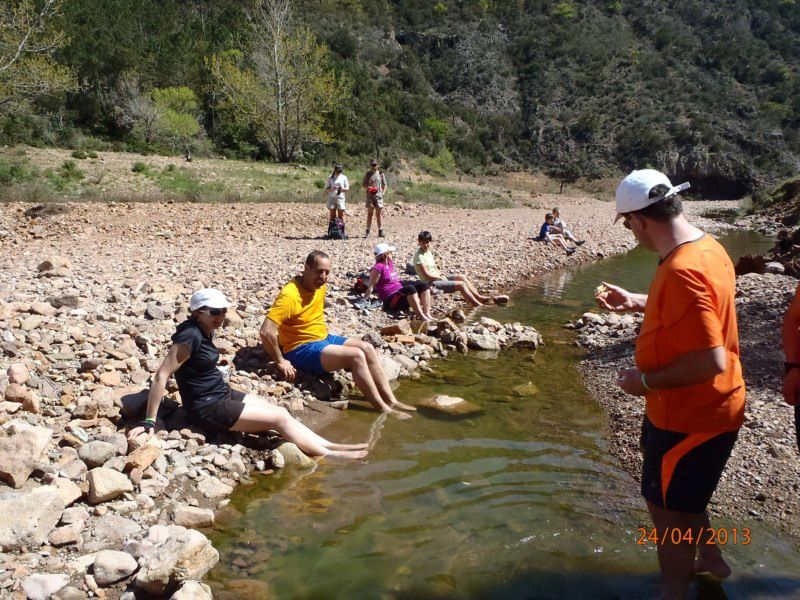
707 89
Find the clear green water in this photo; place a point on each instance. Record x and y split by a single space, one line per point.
521 501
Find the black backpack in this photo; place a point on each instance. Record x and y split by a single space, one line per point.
336 230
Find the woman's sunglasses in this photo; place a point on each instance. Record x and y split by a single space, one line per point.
215 312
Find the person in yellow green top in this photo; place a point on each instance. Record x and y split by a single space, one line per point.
425 266
295 336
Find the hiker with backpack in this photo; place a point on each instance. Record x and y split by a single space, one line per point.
336 188
395 294
375 184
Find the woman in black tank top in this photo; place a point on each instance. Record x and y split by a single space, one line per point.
209 401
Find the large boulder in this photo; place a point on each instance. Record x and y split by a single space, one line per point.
41 586
193 517
193 590
96 453
27 518
21 448
185 555
294 457
390 366
449 405
481 341
112 566
107 484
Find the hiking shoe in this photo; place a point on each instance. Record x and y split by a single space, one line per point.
571 251
580 243
367 234
380 232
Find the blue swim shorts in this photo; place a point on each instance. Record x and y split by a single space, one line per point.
308 356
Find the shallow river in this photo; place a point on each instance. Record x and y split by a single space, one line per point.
521 501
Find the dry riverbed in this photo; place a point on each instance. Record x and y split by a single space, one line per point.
89 296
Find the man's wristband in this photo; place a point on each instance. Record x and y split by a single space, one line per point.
644 384
148 424
788 366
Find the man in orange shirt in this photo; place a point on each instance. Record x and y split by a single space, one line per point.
688 370
791 347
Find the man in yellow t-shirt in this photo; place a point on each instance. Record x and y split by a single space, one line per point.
295 336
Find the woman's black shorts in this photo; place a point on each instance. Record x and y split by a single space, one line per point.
399 300
221 415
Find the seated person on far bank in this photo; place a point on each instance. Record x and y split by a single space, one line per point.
560 226
546 234
295 336
425 266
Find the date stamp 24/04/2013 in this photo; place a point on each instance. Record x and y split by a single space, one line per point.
720 536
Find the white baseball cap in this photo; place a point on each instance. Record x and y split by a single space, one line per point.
209 298
383 248
632 192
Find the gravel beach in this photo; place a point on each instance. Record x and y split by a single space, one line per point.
89 296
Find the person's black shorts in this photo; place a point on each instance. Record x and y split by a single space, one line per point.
682 470
399 300
221 415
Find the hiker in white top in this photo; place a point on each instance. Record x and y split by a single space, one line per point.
336 187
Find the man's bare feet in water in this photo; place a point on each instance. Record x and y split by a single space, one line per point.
346 454
710 561
347 446
401 406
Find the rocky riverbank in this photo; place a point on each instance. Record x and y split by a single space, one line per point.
89 296
762 479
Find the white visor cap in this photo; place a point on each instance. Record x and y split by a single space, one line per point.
383 248
633 191
209 298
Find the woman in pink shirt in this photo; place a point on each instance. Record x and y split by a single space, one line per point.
395 294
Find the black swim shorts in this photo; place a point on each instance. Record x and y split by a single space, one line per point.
682 470
399 300
221 415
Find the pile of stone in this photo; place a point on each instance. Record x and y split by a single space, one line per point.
598 330
783 258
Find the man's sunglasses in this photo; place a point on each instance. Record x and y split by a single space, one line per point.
215 312
626 222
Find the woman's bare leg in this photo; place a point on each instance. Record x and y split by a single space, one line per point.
413 302
263 416
425 303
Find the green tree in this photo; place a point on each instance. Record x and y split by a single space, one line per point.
28 39
285 87
177 123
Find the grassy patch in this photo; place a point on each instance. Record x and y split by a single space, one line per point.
15 169
83 154
180 183
65 178
432 193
